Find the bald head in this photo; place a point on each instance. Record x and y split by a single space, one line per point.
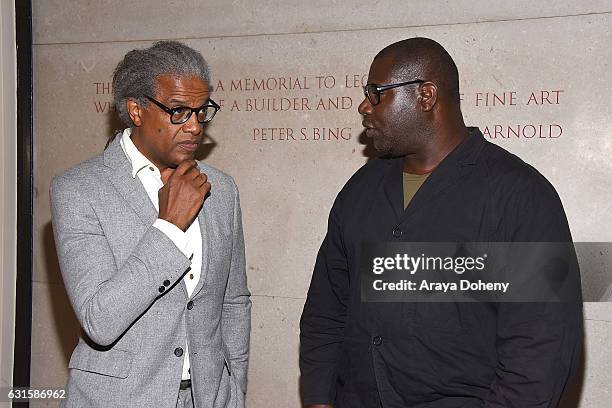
418 114
423 58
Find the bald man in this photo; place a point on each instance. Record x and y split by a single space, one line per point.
436 181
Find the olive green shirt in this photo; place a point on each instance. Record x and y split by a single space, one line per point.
412 183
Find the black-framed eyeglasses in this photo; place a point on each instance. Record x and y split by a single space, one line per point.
181 114
373 91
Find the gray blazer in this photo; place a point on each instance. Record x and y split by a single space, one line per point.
124 279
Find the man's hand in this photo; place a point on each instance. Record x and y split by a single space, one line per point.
183 193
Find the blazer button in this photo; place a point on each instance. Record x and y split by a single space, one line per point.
161 289
397 233
166 282
377 340
190 305
178 351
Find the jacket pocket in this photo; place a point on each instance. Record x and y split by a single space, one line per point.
113 363
226 394
226 359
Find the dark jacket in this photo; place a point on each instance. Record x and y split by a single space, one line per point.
441 355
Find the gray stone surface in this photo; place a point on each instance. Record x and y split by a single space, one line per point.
54 335
591 386
288 186
273 367
115 20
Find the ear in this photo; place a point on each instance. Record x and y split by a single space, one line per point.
135 112
428 96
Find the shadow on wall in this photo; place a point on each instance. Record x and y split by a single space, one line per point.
207 147
66 324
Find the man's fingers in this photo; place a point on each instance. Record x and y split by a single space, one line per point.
193 174
205 188
185 167
189 168
199 181
166 174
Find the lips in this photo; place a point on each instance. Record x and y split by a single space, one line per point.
367 125
189 146
369 129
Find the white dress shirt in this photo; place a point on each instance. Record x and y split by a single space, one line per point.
189 242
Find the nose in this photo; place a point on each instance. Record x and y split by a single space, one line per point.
192 125
365 107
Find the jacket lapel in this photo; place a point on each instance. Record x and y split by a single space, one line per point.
392 184
205 229
456 165
206 249
130 188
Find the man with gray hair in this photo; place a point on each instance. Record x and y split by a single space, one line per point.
151 249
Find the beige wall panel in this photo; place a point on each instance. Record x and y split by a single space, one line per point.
600 311
596 392
67 129
288 221
61 21
273 367
54 336
288 186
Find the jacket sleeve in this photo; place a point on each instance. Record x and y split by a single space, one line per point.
107 298
538 344
236 313
324 317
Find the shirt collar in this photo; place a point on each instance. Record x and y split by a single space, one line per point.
138 160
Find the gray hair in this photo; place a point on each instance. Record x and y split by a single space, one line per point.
135 76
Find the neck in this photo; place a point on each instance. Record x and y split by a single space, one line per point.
443 140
